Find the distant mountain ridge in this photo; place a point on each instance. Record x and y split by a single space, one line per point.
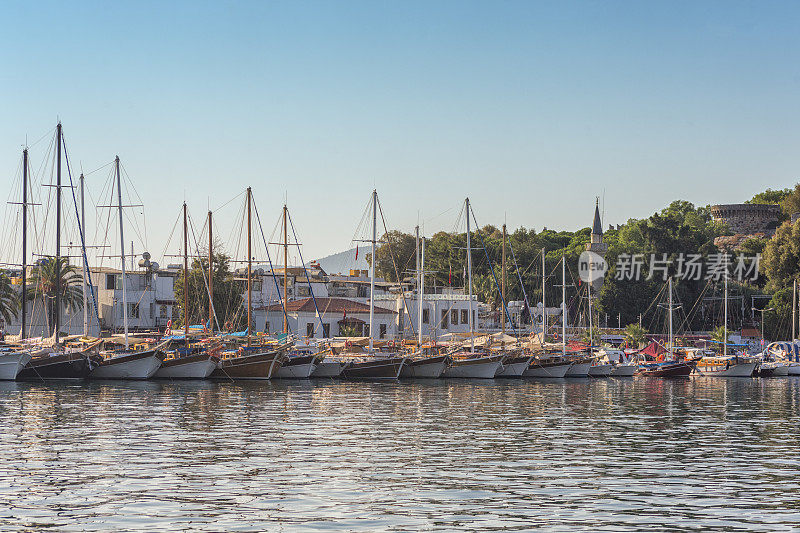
343 262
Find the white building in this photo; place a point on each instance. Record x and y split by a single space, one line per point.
150 297
339 317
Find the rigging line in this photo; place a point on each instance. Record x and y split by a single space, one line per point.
524 294
391 254
81 231
203 272
228 202
98 168
305 271
272 270
491 269
47 133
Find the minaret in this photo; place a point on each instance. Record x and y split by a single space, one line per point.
596 244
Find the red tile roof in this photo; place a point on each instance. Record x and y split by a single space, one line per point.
328 305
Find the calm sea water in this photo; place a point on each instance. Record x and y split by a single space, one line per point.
633 454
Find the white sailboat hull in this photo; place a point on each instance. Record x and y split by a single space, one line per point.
303 371
139 368
578 370
601 371
623 371
556 371
474 369
329 369
739 370
513 370
12 363
193 370
427 370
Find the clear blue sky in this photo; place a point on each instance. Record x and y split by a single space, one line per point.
530 108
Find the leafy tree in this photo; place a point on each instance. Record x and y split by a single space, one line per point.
636 335
781 260
9 300
228 301
770 196
791 202
42 285
718 334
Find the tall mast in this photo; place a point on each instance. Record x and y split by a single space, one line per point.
419 287
372 278
210 274
725 320
85 276
58 234
122 250
544 304
285 272
469 275
589 292
794 309
249 264
670 317
24 240
563 306
185 276
421 291
503 274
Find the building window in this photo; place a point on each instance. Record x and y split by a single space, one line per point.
366 330
401 323
425 318
266 327
445 314
383 331
133 310
326 330
454 317
310 330
111 283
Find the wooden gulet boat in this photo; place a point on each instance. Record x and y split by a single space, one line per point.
373 365
63 363
57 362
672 366
188 362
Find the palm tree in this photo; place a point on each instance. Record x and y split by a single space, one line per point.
43 285
635 334
718 335
9 300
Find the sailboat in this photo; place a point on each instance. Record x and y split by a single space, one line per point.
187 361
302 361
472 364
736 366
426 362
12 359
515 361
124 363
55 361
673 364
250 361
550 364
373 365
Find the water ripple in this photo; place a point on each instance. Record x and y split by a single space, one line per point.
699 454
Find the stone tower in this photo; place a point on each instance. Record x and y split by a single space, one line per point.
596 244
